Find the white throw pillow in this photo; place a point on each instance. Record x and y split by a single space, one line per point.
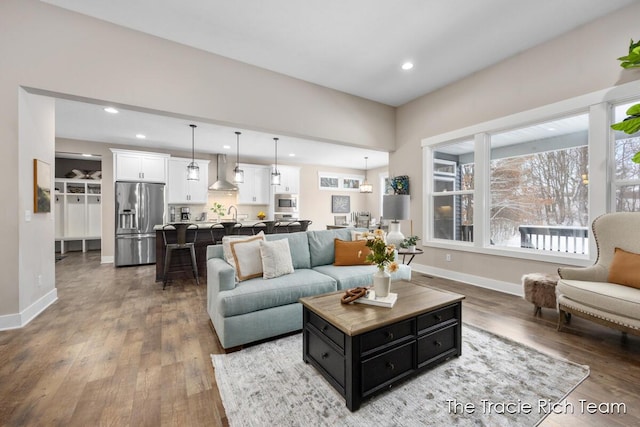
243 253
276 258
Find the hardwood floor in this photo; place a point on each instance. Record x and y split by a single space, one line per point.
117 350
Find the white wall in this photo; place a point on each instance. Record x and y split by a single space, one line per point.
577 63
54 51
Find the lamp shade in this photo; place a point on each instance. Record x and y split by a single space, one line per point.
395 206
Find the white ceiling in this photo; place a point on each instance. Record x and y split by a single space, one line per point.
354 46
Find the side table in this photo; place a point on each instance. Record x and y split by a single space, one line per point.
413 253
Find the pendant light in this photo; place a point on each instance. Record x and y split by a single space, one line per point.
365 187
193 171
275 175
238 174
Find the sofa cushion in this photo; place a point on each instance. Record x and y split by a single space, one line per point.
621 300
359 275
351 253
321 244
298 245
624 268
259 294
276 258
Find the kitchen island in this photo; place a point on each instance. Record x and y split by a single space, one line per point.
210 233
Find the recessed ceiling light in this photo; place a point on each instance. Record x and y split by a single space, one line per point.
140 136
111 110
226 147
407 66
292 154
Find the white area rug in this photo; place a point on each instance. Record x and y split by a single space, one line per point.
270 385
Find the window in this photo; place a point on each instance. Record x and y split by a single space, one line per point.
539 186
626 182
452 197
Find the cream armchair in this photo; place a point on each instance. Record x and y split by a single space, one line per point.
586 292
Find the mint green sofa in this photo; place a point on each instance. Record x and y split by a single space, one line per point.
259 308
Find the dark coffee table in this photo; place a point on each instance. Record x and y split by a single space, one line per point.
362 349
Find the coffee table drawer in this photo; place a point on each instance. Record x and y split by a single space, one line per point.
387 335
387 366
327 329
439 316
330 360
436 343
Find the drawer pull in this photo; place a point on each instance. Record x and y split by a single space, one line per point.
437 343
390 335
325 355
438 318
391 366
325 328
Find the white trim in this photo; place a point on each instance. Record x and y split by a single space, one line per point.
617 94
470 279
19 320
107 259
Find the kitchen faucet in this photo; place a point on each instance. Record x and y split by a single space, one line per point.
235 212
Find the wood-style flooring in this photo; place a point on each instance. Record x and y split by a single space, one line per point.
117 350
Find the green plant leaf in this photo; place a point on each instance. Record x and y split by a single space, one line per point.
628 125
634 110
636 157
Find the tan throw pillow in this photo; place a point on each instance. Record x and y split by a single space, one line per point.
276 258
243 253
625 268
351 253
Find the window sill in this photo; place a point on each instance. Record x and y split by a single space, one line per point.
578 260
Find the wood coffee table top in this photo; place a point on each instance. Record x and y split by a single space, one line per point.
354 319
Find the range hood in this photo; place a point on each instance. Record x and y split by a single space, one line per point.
221 183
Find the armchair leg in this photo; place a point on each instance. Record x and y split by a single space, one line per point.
563 318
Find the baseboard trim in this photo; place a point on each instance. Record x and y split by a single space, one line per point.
106 259
19 320
479 281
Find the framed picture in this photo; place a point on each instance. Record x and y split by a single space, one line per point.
41 186
350 183
328 182
340 204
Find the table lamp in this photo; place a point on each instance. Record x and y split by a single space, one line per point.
395 207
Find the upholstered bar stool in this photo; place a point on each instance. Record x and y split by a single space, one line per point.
180 244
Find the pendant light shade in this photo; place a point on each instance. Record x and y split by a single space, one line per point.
365 187
275 175
193 171
238 174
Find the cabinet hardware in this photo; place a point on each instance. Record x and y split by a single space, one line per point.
391 366
325 355
438 318
437 343
325 328
390 335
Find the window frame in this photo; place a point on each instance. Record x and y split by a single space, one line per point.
599 107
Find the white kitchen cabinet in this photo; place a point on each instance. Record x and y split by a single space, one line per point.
255 188
77 211
289 180
180 190
140 166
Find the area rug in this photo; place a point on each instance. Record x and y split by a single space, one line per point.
496 382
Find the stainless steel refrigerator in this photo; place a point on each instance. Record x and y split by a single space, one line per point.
139 207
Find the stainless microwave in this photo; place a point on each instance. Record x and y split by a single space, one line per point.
286 203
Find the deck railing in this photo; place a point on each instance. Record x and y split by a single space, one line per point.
555 238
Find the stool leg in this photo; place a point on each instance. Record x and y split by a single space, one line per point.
537 310
167 260
194 264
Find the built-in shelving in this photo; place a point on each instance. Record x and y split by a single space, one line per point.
78 213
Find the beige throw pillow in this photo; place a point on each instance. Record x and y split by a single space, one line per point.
243 253
276 258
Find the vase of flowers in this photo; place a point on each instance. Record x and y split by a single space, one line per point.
383 256
261 215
